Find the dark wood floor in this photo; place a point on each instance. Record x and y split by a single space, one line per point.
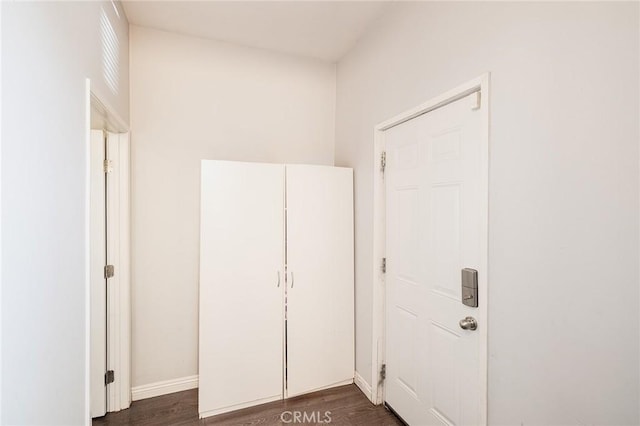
348 406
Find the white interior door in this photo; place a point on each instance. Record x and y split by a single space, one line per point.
241 285
320 313
97 230
433 213
118 307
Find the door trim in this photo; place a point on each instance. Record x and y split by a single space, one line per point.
119 318
479 84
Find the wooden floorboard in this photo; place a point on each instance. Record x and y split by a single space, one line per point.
346 404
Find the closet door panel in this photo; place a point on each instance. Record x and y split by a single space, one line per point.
241 303
320 292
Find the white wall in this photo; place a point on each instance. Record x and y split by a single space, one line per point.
48 51
194 99
563 333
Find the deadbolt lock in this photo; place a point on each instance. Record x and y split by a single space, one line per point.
470 287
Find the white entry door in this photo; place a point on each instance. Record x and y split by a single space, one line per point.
434 229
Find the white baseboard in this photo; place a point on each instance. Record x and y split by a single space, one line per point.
191 382
164 387
363 385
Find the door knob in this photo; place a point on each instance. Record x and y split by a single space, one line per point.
468 323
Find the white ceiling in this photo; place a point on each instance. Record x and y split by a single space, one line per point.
324 30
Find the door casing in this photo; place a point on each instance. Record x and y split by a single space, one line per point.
479 84
119 303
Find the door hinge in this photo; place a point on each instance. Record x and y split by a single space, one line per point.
383 265
109 377
107 166
383 372
383 161
109 271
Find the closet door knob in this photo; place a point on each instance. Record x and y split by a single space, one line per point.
278 278
292 279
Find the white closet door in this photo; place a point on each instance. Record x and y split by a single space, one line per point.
241 294
320 315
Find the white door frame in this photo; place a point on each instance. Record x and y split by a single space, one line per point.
119 314
479 84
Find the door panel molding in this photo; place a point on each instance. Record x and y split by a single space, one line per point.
480 85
